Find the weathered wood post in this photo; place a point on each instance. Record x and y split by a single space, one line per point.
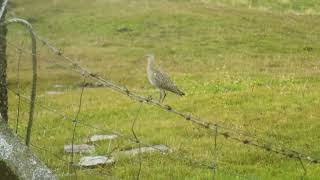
3 64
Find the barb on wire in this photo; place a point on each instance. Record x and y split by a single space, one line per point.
224 131
18 88
138 141
34 72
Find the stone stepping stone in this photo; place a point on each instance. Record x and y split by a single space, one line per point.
156 148
58 86
90 85
80 148
93 161
96 138
54 92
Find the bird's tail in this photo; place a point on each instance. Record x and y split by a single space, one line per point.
180 93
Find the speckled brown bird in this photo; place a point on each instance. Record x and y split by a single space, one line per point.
160 80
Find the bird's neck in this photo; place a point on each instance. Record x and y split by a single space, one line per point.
151 63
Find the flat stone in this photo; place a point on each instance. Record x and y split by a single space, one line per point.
93 161
80 148
91 85
124 29
58 86
54 92
98 137
156 148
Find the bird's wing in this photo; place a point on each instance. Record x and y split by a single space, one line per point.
163 81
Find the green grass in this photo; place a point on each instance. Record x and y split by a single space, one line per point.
255 68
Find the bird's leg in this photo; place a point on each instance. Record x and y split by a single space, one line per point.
161 94
164 95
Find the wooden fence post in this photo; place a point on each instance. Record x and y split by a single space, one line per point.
3 65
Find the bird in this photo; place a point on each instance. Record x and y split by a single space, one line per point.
160 80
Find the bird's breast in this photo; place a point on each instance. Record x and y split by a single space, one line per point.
151 77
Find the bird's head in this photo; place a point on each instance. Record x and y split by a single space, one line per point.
149 57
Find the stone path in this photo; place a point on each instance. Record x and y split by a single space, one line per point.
94 161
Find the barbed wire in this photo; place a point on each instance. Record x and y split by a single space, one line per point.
207 125
227 132
239 131
255 141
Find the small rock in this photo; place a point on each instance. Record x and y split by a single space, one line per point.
90 85
81 148
156 148
96 138
58 86
124 29
54 92
308 48
92 161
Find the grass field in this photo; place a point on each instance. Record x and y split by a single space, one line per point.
253 65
